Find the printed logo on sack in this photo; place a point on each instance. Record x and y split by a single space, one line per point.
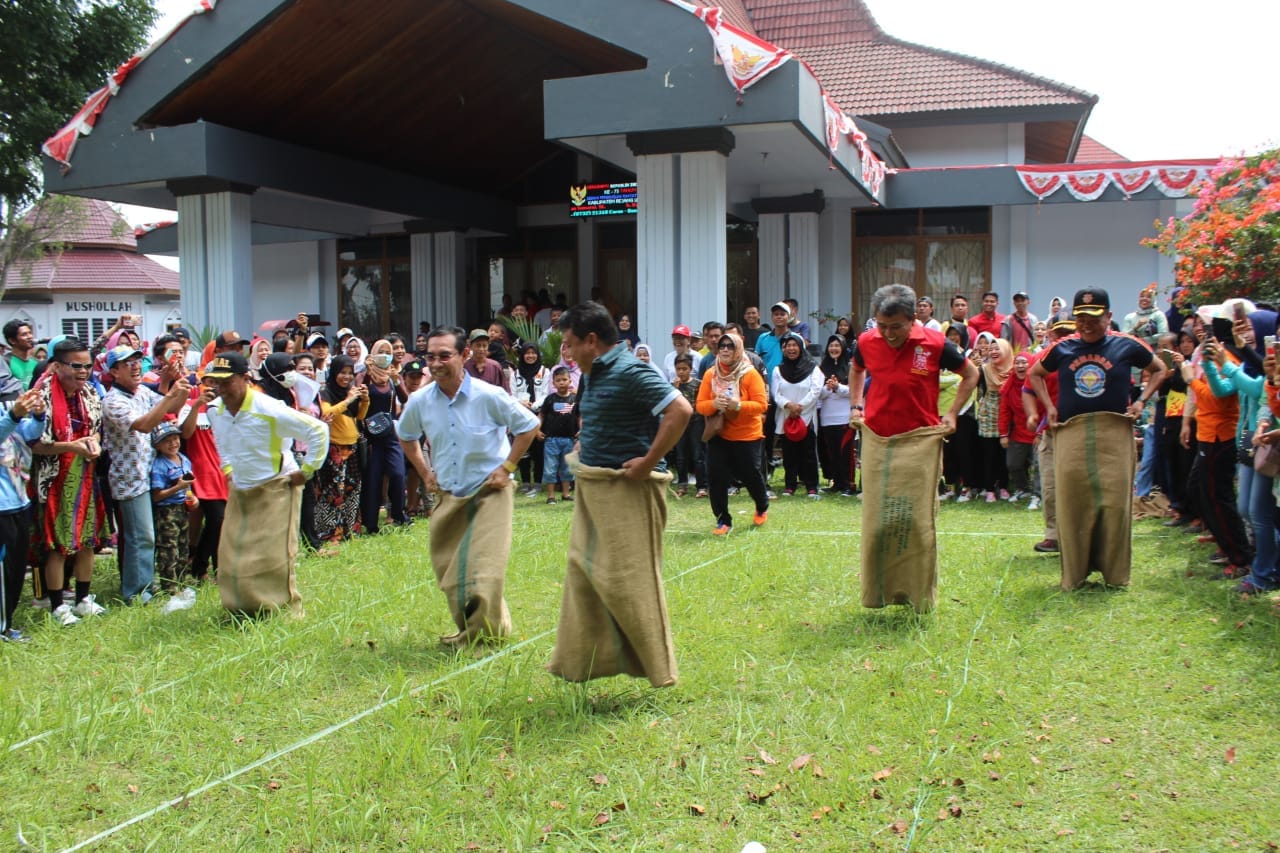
1091 381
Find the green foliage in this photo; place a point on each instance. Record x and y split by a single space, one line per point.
34 232
55 53
1014 717
526 330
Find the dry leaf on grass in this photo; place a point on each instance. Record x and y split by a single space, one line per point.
800 762
1230 756
697 810
600 780
881 775
898 826
766 757
601 819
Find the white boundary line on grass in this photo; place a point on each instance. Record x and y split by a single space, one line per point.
120 706
339 726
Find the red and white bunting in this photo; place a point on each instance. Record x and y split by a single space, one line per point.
746 59
61 144
1088 183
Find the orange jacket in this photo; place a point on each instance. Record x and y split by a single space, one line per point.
746 424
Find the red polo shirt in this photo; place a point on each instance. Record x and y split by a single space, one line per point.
903 394
979 324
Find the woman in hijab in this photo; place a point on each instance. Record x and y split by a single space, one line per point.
796 386
627 331
342 402
386 459
996 361
646 355
259 349
960 449
833 415
734 389
530 384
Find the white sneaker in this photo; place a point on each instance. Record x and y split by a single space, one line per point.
1035 503
88 607
40 603
990 497
964 498
63 616
184 599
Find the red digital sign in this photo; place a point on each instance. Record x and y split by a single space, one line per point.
602 199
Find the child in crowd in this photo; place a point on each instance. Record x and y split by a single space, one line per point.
688 450
171 477
558 419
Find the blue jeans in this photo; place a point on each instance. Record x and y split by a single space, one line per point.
138 569
1258 505
555 469
1145 480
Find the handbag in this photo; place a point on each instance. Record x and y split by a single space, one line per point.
1266 460
794 428
378 423
712 427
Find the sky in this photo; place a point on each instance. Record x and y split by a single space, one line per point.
1175 79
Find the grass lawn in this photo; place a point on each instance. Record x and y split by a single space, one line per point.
1013 717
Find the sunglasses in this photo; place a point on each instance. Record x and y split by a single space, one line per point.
79 365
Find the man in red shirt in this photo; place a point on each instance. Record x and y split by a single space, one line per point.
904 359
900 461
987 320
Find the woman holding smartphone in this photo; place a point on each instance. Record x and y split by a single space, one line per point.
386 459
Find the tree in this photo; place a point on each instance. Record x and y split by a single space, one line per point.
55 53
1229 245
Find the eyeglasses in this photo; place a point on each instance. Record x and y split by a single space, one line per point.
438 356
79 365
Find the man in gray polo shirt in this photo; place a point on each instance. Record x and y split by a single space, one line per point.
613 617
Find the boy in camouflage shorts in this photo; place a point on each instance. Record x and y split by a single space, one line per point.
171 480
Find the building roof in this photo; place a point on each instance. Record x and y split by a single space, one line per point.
100 254
733 12
1093 151
873 74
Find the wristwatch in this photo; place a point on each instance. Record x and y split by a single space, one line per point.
509 467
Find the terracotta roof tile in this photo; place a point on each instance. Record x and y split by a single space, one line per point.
93 270
1091 150
797 24
94 224
870 73
734 12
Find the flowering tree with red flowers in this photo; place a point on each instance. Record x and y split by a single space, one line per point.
1229 245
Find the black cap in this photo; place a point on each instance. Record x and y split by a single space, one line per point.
412 367
229 339
227 364
1092 301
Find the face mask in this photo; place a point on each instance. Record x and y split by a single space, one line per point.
383 360
289 379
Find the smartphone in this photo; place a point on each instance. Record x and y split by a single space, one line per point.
1238 311
1269 344
1167 357
188 477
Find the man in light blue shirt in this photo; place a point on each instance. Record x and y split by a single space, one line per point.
466 424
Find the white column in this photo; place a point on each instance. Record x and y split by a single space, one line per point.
835 262
449 272
215 251
802 252
1018 269
421 276
656 250
703 289
771 233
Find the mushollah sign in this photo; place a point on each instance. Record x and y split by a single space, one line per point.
602 199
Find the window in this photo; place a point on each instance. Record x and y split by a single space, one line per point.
937 252
374 289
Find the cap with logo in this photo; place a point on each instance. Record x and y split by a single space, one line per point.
1092 301
121 353
781 306
476 335
412 367
227 364
682 331
1063 322
163 431
229 339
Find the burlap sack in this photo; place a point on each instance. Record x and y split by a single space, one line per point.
259 547
1094 465
470 548
899 517
613 616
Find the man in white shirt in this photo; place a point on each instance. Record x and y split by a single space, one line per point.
466 421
